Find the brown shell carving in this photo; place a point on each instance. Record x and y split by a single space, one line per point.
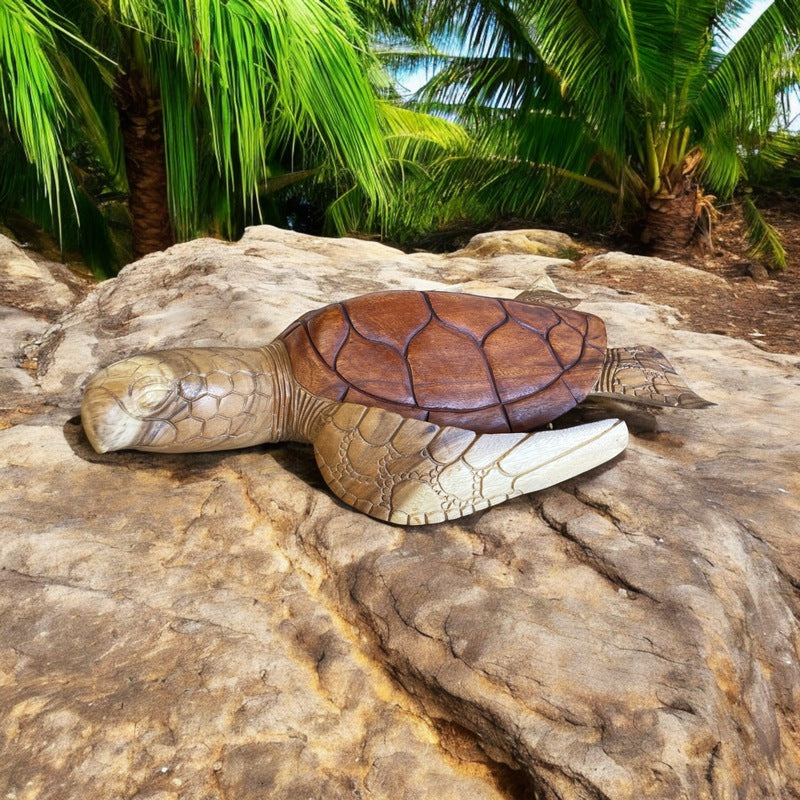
481 363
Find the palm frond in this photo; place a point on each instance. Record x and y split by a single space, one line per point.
33 104
775 161
400 123
482 27
418 144
742 88
609 96
765 242
260 76
722 166
581 45
82 226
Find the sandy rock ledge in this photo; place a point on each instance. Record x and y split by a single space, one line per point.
217 626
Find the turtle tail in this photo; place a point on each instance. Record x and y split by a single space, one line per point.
644 375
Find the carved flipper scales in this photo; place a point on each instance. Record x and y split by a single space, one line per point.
644 375
412 472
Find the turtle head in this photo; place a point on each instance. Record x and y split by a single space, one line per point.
178 401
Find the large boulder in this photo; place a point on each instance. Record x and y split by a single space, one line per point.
218 625
33 293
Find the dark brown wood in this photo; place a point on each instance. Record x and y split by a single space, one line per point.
482 363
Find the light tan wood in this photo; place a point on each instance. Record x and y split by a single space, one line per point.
482 365
644 375
395 468
412 472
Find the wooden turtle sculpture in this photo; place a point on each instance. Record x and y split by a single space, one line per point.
421 406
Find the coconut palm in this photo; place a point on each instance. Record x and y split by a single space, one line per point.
189 110
638 111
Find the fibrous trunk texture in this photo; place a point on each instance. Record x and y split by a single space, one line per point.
143 135
677 221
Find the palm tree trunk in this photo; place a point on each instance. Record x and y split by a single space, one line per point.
145 163
678 221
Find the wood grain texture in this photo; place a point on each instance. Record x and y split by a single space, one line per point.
644 375
182 400
412 472
482 363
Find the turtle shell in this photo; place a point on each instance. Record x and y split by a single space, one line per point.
481 363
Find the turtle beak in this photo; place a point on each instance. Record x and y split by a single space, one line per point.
117 406
106 424
93 409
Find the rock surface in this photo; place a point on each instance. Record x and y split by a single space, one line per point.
218 626
548 244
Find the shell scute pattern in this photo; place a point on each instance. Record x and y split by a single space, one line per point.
481 363
329 330
219 384
474 315
567 342
438 345
410 313
533 368
386 376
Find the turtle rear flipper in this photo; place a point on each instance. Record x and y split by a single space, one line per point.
411 472
644 375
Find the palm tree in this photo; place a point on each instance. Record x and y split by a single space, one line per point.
636 111
192 111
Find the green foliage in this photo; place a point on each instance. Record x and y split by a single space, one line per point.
34 111
248 89
764 240
420 149
599 105
578 110
258 80
775 163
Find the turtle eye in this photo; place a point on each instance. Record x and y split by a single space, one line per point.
149 393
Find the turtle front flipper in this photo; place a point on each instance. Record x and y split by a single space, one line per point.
644 375
411 472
